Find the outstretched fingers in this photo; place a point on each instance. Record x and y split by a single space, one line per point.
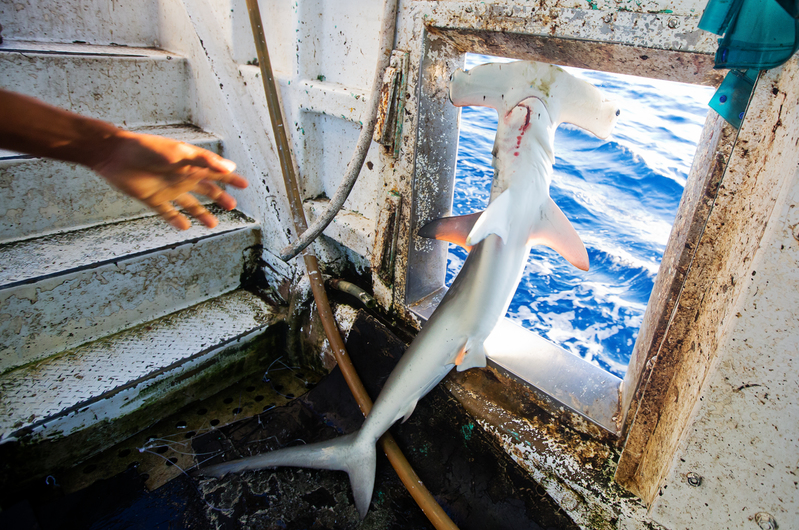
169 214
216 194
231 179
161 172
193 207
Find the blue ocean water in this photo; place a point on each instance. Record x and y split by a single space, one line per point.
621 194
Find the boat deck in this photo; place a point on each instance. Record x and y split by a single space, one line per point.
141 484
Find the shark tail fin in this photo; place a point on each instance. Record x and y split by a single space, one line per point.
556 232
495 220
345 453
451 229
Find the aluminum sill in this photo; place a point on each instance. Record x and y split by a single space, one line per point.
561 377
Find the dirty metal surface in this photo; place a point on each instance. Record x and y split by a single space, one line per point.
696 68
762 160
61 312
620 24
479 486
698 197
123 90
388 126
565 381
572 460
141 481
34 259
432 183
102 379
737 465
384 253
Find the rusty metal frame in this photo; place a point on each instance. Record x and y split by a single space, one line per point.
436 146
727 204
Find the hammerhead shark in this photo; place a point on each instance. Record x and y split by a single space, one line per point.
531 99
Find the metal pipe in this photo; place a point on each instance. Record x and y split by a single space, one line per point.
355 164
407 475
352 289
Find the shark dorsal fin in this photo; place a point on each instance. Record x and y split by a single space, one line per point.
451 229
556 232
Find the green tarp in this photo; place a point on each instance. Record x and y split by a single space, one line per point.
757 35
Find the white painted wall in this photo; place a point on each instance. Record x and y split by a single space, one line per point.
744 439
92 21
323 55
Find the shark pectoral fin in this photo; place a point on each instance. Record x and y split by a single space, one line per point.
451 229
556 232
495 220
473 355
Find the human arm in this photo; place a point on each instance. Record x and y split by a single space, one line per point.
158 171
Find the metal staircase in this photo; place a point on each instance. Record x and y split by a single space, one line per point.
106 312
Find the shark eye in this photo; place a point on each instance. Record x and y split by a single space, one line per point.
618 112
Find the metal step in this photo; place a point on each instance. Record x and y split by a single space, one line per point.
41 197
60 291
135 23
109 378
123 85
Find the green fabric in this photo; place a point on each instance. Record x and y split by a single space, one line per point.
759 34
791 6
732 96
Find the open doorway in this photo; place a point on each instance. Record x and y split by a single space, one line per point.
621 194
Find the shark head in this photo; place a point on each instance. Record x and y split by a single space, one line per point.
502 86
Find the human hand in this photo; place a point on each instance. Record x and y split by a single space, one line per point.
162 172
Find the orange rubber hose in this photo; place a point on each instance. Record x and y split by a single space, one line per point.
407 475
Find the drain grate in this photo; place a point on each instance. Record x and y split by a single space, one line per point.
163 451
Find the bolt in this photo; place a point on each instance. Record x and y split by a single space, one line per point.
765 521
673 23
569 501
607 19
722 98
693 479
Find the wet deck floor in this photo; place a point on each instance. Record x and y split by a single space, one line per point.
141 483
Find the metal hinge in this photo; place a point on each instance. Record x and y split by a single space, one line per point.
388 128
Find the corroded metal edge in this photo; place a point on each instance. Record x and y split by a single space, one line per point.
640 61
678 347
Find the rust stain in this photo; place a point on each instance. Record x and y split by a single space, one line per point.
640 61
681 331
